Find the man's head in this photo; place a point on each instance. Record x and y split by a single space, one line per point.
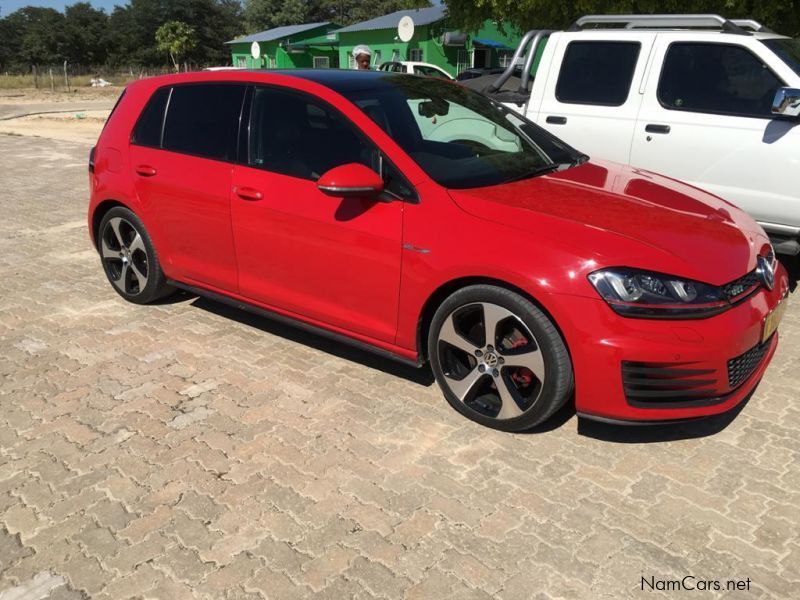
362 55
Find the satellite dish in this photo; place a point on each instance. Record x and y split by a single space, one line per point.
255 50
405 29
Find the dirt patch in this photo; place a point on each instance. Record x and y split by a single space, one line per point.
83 126
28 96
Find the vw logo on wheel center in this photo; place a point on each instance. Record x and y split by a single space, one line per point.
490 359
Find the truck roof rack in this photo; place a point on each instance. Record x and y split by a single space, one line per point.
739 27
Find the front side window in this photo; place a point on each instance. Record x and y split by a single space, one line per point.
788 50
598 73
203 120
458 136
716 78
293 134
429 72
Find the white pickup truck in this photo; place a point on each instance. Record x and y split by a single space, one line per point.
710 101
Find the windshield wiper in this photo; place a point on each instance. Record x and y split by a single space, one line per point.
535 172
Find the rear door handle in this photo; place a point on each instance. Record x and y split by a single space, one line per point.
557 120
248 193
651 128
145 170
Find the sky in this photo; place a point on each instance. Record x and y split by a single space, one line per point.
9 6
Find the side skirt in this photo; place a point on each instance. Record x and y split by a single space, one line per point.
320 331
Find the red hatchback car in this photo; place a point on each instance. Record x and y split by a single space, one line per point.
426 222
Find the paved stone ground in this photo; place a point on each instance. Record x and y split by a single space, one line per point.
186 450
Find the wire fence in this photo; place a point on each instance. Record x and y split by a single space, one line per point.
68 77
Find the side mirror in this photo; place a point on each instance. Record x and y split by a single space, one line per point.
786 103
350 180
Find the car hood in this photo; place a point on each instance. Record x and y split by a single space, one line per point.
621 216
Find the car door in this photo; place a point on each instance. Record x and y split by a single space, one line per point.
332 260
591 96
706 119
182 163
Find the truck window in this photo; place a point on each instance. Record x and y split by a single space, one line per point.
597 73
724 79
203 120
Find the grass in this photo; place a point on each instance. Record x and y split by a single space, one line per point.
13 82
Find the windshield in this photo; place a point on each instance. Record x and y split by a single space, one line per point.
788 50
460 138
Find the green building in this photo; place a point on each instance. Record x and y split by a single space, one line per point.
434 41
311 45
324 45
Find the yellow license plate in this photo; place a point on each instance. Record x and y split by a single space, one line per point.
773 319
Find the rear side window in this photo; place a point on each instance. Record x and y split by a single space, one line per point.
147 131
597 73
203 120
717 78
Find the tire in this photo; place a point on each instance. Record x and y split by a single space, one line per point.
511 379
129 258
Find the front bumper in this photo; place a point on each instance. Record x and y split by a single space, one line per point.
623 366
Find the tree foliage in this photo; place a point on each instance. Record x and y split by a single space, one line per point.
265 14
781 15
176 38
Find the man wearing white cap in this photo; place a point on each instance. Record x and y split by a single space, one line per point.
362 54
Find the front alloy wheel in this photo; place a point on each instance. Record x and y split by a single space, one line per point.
498 358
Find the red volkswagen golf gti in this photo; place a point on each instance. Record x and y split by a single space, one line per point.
424 221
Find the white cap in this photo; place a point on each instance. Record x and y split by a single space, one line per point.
362 49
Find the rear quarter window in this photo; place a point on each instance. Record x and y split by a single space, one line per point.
597 73
147 131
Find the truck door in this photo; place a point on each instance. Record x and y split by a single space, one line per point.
591 96
706 119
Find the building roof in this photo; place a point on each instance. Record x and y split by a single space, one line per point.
277 33
421 16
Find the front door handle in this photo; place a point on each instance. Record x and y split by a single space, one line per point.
145 170
556 120
652 128
248 193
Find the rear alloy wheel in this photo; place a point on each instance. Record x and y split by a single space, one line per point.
129 259
498 359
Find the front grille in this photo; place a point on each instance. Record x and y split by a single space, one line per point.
741 367
741 286
657 384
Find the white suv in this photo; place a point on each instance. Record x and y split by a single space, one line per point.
707 100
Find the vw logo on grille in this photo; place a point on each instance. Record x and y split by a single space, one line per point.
766 273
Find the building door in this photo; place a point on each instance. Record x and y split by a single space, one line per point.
481 58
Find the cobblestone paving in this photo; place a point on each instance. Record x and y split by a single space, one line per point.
189 451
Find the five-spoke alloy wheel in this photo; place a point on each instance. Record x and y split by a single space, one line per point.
498 358
129 258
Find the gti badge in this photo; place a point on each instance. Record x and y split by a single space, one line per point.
766 273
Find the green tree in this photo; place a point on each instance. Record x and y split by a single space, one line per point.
134 25
36 36
782 16
266 14
85 34
177 38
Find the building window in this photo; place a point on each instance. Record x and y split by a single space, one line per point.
351 61
395 55
462 62
415 54
504 56
376 59
271 62
322 62
241 62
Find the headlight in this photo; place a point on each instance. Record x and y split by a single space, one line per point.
647 295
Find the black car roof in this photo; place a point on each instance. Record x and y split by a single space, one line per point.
340 80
